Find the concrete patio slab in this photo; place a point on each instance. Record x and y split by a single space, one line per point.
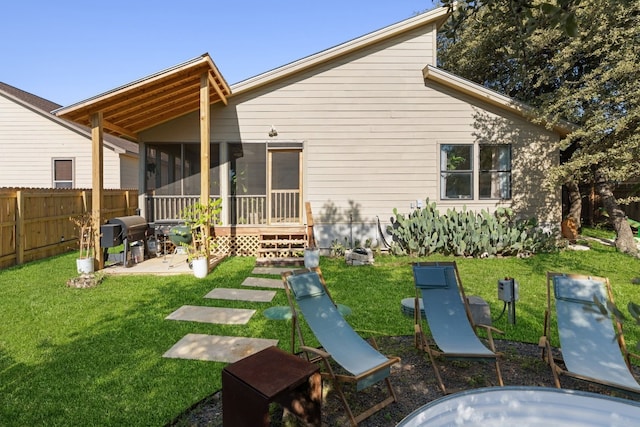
251 295
217 348
276 271
163 265
219 315
261 282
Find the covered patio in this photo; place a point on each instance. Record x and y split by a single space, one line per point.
126 111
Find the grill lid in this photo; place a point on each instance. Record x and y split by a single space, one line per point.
129 222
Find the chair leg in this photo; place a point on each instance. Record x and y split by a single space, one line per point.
425 346
498 372
547 356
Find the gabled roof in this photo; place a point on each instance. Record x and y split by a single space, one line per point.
44 107
480 92
436 16
29 98
151 100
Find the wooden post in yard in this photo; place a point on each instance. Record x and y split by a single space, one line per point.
205 136
97 183
20 229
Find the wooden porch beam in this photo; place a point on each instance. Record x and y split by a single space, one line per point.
97 182
119 129
217 89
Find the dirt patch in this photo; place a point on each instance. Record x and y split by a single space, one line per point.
415 385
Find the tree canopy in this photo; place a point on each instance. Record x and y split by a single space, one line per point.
576 61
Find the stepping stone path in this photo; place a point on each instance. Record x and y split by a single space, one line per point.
219 315
216 348
226 349
261 282
272 270
241 295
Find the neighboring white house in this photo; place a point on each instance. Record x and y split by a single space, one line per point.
41 150
355 130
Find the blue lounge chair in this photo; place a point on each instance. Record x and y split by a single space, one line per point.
448 316
307 291
591 343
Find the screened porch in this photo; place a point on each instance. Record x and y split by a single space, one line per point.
260 183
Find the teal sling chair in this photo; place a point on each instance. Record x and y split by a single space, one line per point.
364 365
449 318
591 343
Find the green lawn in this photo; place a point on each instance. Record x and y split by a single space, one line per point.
93 356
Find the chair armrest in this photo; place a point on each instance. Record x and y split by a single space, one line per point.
490 328
634 355
315 351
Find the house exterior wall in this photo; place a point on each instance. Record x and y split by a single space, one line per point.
372 128
128 172
29 141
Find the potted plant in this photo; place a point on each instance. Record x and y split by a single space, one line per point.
85 224
201 217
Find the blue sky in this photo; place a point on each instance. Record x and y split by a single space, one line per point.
67 51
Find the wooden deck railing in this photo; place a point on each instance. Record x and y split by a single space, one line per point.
168 207
245 209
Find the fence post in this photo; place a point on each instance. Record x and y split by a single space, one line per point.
85 206
127 203
20 229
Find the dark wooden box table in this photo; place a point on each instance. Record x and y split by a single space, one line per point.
271 375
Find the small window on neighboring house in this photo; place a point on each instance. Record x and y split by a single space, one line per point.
456 171
62 173
495 171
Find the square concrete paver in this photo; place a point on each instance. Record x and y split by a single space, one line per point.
272 270
217 348
224 316
241 294
261 282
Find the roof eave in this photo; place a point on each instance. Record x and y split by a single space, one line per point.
436 16
96 100
489 96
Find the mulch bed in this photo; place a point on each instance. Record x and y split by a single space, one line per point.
415 385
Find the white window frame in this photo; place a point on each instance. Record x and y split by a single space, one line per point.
445 173
505 193
55 183
500 176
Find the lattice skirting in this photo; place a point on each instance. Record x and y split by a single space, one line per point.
245 245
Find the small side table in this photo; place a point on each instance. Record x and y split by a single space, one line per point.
271 375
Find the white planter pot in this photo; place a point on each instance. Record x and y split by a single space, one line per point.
311 258
84 265
200 267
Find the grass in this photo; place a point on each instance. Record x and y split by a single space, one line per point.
93 356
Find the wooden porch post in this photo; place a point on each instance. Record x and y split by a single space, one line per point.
97 183
142 181
205 136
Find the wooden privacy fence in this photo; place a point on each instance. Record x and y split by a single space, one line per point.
34 223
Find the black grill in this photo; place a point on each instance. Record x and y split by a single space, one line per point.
123 230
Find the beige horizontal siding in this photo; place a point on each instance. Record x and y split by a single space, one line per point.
29 141
372 128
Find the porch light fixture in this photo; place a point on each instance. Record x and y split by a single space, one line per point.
273 132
